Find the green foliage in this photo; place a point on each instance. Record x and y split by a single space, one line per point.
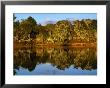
85 30
28 24
63 32
25 29
14 17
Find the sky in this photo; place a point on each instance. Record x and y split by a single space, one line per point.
41 18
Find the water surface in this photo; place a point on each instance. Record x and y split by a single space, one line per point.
55 61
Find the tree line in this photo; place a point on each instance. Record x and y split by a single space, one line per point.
62 32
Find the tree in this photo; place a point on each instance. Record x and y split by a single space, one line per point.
14 17
28 28
85 30
61 32
16 26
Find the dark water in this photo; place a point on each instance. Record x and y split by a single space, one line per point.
55 61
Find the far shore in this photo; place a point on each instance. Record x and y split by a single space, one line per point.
94 45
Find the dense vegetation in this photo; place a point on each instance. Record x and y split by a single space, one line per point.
63 32
41 44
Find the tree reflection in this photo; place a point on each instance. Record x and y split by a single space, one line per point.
59 57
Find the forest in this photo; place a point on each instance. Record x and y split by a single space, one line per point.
27 32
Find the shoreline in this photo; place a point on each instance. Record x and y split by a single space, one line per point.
56 45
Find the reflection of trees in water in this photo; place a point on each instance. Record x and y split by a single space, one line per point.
86 59
25 58
61 58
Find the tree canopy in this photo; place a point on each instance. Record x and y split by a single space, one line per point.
61 32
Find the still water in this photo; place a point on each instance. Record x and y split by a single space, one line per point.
55 61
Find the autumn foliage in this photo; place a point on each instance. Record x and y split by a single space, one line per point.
63 32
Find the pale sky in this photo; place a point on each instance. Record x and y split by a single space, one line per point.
43 17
